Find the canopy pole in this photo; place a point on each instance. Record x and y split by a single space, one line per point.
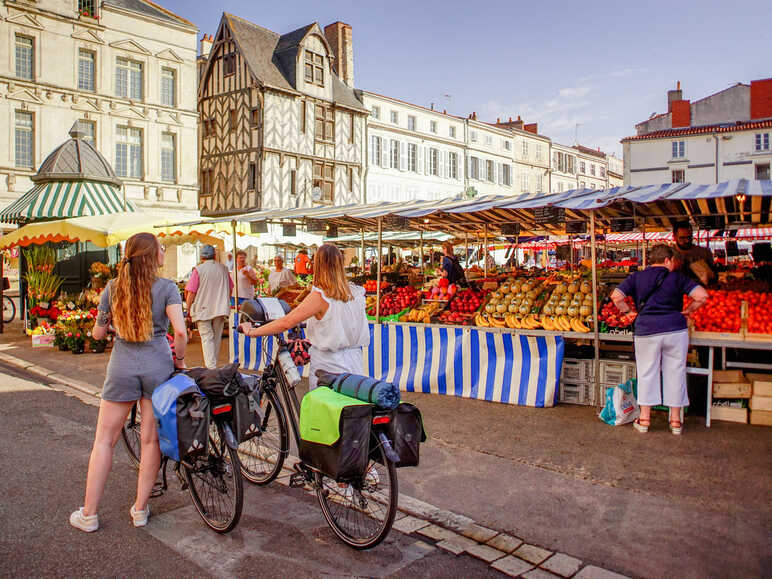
466 250
235 274
595 320
378 282
421 234
363 250
643 257
485 252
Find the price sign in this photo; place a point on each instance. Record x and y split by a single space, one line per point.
510 229
317 225
289 230
549 215
622 225
395 222
258 227
332 231
709 221
576 227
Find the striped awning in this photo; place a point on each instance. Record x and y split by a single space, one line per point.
60 199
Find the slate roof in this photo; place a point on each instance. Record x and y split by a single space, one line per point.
149 8
720 128
76 159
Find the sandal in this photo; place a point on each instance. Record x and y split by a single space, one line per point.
676 427
642 424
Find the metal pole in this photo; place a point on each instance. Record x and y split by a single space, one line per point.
422 252
2 264
363 250
235 273
378 279
644 245
485 252
595 320
466 250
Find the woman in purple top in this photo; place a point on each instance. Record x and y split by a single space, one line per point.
661 334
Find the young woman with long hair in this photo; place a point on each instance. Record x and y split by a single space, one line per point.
335 315
140 306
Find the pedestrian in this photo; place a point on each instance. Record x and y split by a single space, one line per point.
229 261
207 299
335 315
451 268
302 263
661 337
140 305
246 278
280 276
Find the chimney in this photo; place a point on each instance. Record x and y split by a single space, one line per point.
510 124
338 34
532 128
474 116
674 95
761 98
206 45
681 114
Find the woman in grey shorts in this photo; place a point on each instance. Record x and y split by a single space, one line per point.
140 305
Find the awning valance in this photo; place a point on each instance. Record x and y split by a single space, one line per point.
60 199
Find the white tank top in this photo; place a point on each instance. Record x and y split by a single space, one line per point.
343 326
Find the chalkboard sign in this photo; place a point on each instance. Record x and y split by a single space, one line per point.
289 230
317 225
258 227
332 231
549 215
395 222
709 221
510 229
622 225
576 227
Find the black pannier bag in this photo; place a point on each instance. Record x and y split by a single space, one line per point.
247 416
182 414
406 432
219 384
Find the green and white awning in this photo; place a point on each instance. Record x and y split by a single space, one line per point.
61 199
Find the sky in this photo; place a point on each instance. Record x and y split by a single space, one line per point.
585 72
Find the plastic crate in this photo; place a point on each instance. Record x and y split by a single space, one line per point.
577 393
616 372
575 370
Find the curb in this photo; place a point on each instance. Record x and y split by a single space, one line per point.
451 532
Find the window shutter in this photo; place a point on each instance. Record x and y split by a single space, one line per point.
426 160
419 159
402 156
384 153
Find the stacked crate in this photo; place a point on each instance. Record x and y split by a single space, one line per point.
613 373
731 391
761 398
576 380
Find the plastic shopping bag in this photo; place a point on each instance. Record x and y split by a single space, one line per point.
621 406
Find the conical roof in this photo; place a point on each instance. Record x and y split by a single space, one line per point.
76 160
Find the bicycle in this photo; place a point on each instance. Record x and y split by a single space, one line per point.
213 480
359 510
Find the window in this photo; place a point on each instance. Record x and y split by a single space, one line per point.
207 181
762 171
582 168
351 179
678 176
490 171
87 8
351 127
592 169
86 77
323 178
293 180
453 165
524 181
395 117
254 118
433 126
168 156
314 68
375 150
229 64
525 149
128 153
375 112
602 171
488 140
537 180
473 136
168 87
209 128
582 184
324 123
506 174
88 128
434 162
128 79
507 145
762 141
452 132
678 151
24 139
474 168
303 116
394 154
412 157
411 123
24 57
538 152
234 120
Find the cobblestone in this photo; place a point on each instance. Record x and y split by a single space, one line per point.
592 572
532 553
512 566
504 542
562 564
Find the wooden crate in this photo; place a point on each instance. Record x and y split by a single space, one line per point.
729 414
760 403
762 383
761 417
730 384
694 334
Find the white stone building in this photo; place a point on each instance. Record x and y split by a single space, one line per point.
580 167
615 171
723 136
125 70
591 168
563 177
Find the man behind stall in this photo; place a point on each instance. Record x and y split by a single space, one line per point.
694 261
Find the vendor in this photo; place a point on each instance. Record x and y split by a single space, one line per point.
280 276
694 261
451 268
246 278
303 265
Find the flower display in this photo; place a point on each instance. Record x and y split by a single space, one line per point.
42 283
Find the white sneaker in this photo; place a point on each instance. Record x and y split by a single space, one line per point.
89 523
345 493
139 517
372 477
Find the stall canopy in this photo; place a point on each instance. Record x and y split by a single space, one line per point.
74 180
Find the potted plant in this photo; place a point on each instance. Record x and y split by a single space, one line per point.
100 274
76 342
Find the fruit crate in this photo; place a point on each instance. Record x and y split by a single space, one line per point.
614 372
577 370
391 318
577 393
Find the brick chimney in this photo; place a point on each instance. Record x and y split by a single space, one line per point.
680 113
206 45
761 98
510 124
674 95
338 34
532 128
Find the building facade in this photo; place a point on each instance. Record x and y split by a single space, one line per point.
125 71
720 137
615 171
279 127
580 167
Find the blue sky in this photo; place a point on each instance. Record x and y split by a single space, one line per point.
602 65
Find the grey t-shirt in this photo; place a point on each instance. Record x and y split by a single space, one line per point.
164 293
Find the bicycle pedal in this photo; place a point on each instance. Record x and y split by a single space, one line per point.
297 480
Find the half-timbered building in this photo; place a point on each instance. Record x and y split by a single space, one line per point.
279 127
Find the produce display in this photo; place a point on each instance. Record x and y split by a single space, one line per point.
462 308
443 291
371 286
612 317
395 301
759 313
422 313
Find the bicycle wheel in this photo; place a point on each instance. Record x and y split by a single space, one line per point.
9 310
262 456
131 438
215 485
362 512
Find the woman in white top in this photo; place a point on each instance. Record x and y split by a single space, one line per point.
246 278
335 315
280 276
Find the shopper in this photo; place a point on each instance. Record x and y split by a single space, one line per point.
207 301
451 268
140 306
335 315
661 336
229 261
246 278
280 276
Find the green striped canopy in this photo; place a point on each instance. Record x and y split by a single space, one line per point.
61 199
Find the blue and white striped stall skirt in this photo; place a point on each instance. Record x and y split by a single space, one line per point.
497 366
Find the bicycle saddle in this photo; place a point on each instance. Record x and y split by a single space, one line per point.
261 310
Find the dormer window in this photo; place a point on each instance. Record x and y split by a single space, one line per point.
314 68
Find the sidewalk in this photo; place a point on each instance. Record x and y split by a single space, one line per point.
560 480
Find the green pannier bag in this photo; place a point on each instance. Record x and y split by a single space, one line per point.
335 433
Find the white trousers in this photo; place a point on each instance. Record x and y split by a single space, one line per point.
211 338
662 355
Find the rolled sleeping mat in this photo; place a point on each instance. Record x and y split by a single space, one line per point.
384 395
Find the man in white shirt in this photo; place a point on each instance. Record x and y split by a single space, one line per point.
246 278
280 276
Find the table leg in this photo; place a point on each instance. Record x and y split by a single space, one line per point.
710 386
